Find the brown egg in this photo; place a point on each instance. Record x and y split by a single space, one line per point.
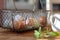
19 24
16 25
31 22
42 20
22 24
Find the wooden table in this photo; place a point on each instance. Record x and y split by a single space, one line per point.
9 35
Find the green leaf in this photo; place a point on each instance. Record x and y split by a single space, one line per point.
41 35
47 31
36 34
40 31
46 36
53 34
56 33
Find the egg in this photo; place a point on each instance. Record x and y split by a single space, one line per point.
43 20
31 22
16 25
19 22
22 24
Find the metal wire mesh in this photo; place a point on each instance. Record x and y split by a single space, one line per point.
8 17
0 19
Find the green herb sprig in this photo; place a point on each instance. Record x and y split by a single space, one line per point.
40 34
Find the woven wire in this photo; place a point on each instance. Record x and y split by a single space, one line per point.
7 17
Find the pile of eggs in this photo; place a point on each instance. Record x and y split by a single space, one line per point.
21 23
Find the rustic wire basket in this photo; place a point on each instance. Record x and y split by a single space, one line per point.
7 18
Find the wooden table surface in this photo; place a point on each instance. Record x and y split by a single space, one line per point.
9 35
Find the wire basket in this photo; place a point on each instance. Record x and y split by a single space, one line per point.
10 19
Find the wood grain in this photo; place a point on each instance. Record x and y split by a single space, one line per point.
6 34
